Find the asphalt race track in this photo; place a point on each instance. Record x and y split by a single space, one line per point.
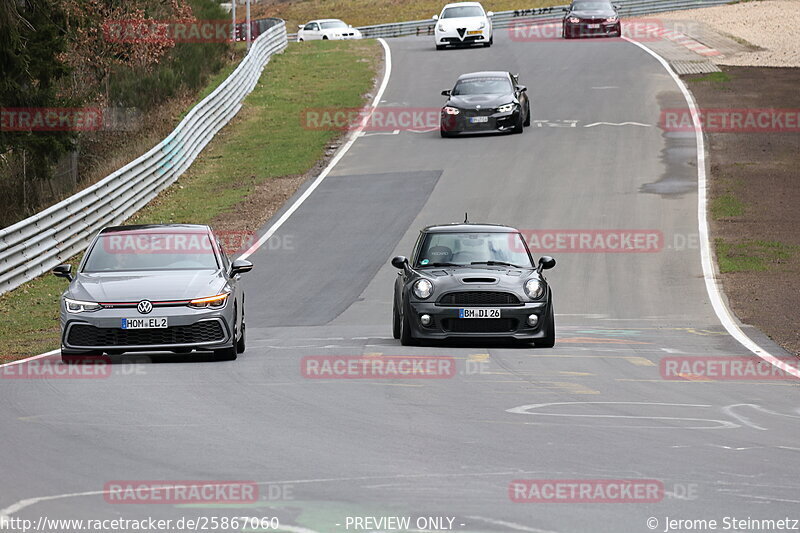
594 407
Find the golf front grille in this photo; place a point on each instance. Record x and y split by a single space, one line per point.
198 333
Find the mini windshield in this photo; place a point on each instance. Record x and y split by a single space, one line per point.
333 24
464 249
131 251
462 11
482 86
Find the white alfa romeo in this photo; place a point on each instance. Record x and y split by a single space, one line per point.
463 23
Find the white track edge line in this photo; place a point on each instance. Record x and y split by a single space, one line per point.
712 287
387 71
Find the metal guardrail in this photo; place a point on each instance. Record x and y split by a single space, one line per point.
33 246
508 19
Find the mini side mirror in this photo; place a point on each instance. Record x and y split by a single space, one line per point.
446 93
63 271
399 262
546 262
240 266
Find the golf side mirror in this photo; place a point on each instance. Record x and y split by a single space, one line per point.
546 262
63 271
399 262
240 266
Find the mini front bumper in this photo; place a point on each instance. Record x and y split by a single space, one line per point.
101 331
446 323
462 123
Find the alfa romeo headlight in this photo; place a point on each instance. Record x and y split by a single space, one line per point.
574 20
451 110
78 306
534 288
441 27
505 108
423 289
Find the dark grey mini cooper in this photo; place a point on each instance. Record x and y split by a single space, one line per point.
472 280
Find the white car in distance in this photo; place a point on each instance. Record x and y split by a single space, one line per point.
463 23
326 29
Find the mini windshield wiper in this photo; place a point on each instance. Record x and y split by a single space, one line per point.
493 263
442 265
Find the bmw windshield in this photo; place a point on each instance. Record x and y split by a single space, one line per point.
472 86
466 249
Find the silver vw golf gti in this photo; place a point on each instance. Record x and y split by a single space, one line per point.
160 287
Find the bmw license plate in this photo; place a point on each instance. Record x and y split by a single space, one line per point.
144 323
593 26
476 120
479 313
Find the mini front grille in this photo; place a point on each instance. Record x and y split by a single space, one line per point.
479 298
479 325
84 335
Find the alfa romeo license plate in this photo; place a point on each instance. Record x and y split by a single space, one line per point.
475 120
144 323
478 313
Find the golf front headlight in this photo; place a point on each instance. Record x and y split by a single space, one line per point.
423 289
78 306
505 108
534 288
217 301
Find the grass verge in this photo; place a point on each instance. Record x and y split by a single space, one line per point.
752 256
265 141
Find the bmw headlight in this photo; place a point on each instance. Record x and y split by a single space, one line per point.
611 19
78 306
534 288
505 108
423 289
451 110
574 20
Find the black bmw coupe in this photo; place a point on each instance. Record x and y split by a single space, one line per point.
472 280
483 102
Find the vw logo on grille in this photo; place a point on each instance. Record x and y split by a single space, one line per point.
144 307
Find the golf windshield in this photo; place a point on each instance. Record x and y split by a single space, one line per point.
130 251
464 249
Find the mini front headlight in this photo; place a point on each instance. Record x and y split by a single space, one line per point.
534 288
423 288
451 110
505 108
78 306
